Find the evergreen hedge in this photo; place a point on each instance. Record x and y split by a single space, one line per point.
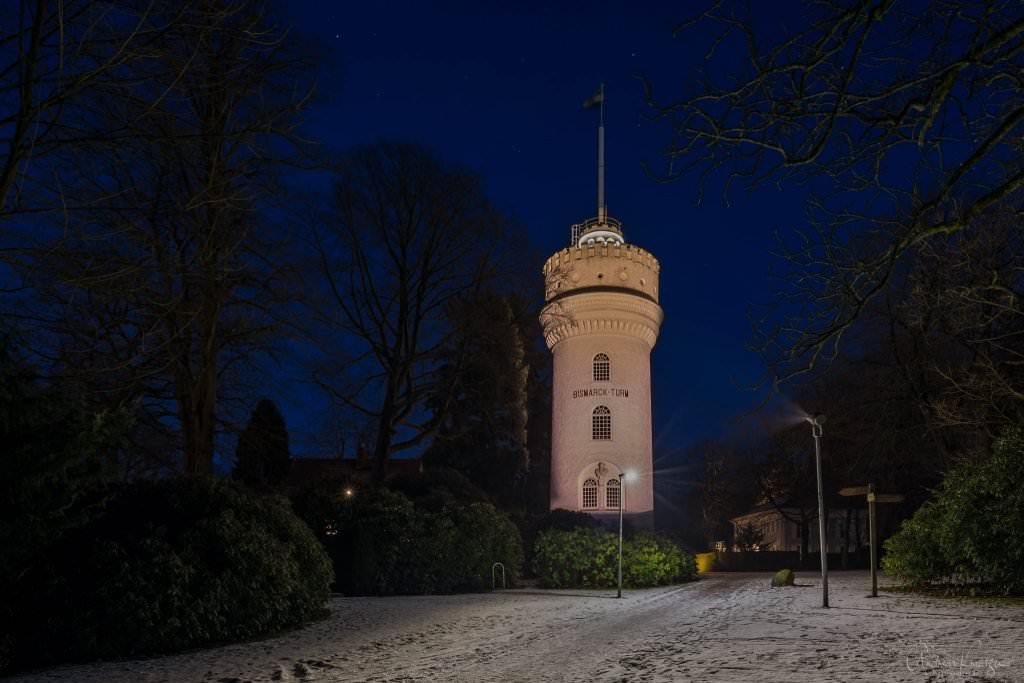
381 543
971 534
588 558
169 565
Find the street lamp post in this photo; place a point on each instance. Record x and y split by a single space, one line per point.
623 478
622 498
816 431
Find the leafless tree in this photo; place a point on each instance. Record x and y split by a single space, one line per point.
408 236
55 57
903 119
163 279
963 302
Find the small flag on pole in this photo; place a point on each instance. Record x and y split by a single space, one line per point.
595 99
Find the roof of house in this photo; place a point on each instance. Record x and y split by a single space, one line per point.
768 508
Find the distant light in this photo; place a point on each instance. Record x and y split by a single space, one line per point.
349 492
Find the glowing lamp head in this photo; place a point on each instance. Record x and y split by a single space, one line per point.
816 421
349 492
630 475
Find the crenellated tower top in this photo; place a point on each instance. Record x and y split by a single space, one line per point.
604 266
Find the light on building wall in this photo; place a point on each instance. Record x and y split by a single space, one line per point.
630 475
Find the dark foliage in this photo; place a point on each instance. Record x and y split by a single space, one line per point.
55 462
170 565
262 458
436 489
971 534
563 520
483 434
381 543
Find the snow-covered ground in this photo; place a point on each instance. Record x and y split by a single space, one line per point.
725 627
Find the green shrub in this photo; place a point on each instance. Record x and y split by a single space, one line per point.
782 578
383 544
914 554
651 560
484 535
972 532
564 520
588 558
174 564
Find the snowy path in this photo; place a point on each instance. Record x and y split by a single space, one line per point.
726 627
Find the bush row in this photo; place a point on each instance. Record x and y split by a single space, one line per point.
381 543
169 565
971 533
588 558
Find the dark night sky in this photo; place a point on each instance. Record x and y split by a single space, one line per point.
500 89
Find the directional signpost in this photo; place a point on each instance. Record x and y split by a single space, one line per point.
873 498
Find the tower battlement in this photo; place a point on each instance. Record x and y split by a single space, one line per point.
618 266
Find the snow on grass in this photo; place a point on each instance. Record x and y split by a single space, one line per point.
725 627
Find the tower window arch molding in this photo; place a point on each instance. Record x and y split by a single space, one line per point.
601 424
602 368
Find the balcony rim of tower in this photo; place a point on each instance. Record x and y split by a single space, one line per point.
602 229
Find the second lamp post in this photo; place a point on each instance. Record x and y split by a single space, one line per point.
816 422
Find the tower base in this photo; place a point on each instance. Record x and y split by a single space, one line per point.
631 520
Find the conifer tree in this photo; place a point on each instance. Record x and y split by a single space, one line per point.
262 457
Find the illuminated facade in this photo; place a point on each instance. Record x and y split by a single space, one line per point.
601 321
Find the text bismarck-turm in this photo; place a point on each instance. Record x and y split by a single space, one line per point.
601 392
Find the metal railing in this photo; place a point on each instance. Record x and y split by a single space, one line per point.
611 224
494 575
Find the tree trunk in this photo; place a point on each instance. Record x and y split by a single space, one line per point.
385 430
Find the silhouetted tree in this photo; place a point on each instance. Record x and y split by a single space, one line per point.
884 110
483 431
262 457
408 239
749 537
56 59
725 488
165 283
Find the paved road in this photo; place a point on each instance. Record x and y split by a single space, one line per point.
725 627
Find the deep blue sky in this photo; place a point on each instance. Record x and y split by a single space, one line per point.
500 89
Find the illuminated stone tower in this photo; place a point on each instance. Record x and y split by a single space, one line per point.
601 321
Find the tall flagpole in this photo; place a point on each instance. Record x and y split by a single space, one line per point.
602 209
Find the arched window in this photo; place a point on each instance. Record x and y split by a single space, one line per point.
602 368
590 494
602 423
612 499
